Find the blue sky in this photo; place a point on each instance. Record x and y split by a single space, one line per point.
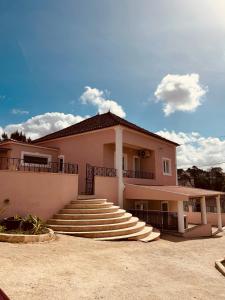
51 50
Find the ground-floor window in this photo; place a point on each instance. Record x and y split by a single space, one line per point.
195 204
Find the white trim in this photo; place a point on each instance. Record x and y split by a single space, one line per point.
135 156
37 154
170 166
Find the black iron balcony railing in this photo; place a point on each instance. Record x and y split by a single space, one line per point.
138 174
103 171
18 164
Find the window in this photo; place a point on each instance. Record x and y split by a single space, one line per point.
37 160
30 158
195 204
166 166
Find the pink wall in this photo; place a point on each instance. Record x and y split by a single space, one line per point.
41 194
195 218
17 148
161 150
83 149
148 193
97 148
106 187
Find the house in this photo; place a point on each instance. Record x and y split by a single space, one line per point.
121 161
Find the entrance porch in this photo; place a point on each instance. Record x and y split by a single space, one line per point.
166 207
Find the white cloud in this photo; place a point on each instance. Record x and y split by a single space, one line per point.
41 125
180 93
98 98
196 149
17 111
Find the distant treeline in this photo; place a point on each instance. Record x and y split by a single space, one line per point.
212 179
18 136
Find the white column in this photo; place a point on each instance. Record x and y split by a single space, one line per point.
180 213
219 216
119 163
203 210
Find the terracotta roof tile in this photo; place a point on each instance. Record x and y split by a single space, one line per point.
98 122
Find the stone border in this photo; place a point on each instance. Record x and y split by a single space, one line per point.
220 267
27 238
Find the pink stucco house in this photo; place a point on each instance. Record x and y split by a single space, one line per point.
110 157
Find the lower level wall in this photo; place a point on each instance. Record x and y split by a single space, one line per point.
40 194
212 218
107 187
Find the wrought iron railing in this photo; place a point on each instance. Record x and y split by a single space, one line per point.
103 171
164 220
18 164
138 174
92 171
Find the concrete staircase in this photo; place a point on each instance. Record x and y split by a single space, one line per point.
99 219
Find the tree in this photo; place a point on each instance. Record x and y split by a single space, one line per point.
213 178
4 136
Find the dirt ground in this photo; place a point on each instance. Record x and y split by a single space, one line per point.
76 268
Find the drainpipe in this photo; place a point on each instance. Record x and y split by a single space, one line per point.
119 162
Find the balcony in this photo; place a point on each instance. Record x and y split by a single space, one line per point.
138 174
17 164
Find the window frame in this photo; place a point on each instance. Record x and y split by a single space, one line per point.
35 154
168 160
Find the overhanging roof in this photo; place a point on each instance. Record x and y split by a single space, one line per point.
169 193
99 121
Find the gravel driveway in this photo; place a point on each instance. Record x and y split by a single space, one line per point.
76 268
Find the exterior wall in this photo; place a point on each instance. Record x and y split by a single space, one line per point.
107 187
41 194
203 230
212 218
98 147
83 149
148 193
16 150
160 150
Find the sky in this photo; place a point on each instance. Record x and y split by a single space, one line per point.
159 64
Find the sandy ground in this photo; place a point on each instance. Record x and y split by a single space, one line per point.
75 268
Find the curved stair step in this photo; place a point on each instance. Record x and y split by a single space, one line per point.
118 213
125 217
108 233
89 211
91 201
141 234
151 237
104 227
89 205
84 197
